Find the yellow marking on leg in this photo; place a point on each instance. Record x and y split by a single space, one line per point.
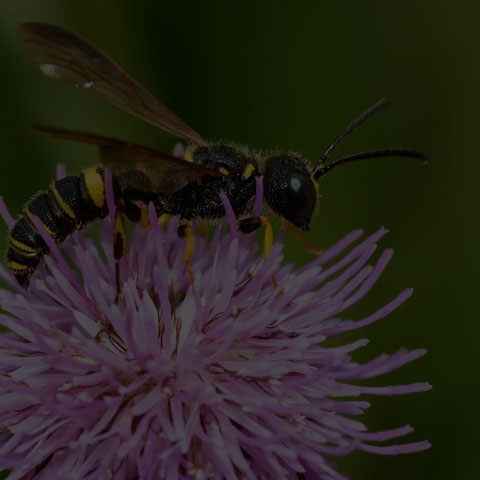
17 266
268 237
144 221
249 169
163 219
95 186
190 244
189 249
119 236
21 246
61 203
30 217
202 229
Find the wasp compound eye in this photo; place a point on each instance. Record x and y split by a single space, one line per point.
290 190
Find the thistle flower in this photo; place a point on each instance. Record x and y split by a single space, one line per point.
226 378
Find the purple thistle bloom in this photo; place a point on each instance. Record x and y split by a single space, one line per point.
226 379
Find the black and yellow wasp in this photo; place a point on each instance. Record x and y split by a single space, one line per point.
189 187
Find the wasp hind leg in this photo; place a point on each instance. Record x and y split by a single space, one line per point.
185 231
134 213
119 248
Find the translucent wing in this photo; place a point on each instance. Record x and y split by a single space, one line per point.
67 57
167 173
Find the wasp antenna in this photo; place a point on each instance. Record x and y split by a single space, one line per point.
382 103
392 152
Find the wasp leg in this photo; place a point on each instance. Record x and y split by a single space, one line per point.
185 231
203 229
307 246
163 219
251 224
144 221
119 248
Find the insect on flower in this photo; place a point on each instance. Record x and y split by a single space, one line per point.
236 378
189 186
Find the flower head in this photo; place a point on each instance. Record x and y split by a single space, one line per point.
225 378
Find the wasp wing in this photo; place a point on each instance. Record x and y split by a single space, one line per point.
66 56
166 172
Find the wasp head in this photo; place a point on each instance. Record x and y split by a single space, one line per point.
289 189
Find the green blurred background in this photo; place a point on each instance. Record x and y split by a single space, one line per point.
291 75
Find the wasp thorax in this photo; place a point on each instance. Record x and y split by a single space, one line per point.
290 190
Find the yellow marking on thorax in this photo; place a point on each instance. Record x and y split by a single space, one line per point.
188 157
30 217
21 246
61 203
224 171
249 169
95 186
16 266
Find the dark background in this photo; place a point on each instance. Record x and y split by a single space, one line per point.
291 75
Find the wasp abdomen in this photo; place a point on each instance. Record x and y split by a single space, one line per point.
43 207
69 204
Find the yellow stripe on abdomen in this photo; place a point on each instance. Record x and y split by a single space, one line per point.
30 217
16 266
61 203
20 245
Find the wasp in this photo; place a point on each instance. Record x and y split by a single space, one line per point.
188 186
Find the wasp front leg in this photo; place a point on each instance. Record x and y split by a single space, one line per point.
185 231
310 248
252 224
